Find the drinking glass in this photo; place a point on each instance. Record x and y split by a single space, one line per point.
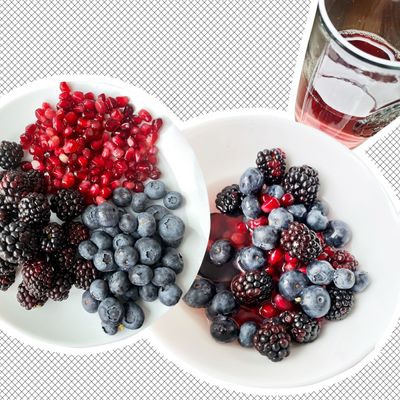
350 82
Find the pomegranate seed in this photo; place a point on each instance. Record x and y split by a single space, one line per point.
290 259
89 95
26 166
270 205
276 257
105 192
84 186
58 124
265 197
71 118
49 113
105 179
116 114
68 131
121 166
267 310
71 146
66 104
122 101
130 154
303 269
238 239
155 174
254 223
37 165
152 159
270 270
289 267
118 141
96 145
139 187
100 200
282 304
83 123
58 172
129 185
145 129
287 199
115 184
81 174
157 124
145 115
94 190
54 142
63 158
241 227
78 97
64 87
118 153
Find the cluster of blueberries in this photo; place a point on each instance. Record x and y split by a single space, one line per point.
133 243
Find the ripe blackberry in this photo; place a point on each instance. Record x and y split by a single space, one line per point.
36 180
7 275
15 184
11 154
252 287
61 287
38 277
18 242
272 163
301 242
302 183
302 328
229 200
67 204
76 232
26 299
53 238
85 273
34 209
342 302
272 340
9 207
64 259
343 259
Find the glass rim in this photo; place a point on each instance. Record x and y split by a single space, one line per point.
387 64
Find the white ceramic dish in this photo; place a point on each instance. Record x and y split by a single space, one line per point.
226 144
66 326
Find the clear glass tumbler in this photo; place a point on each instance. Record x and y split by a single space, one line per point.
350 82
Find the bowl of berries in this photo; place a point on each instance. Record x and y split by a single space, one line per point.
297 286
104 214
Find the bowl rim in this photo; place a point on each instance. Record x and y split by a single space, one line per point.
373 354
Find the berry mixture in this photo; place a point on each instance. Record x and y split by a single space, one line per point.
276 268
90 143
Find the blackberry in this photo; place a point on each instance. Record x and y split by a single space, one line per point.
301 242
11 154
67 204
53 238
252 287
75 233
64 259
302 328
15 184
229 200
38 277
9 207
85 273
343 259
302 183
34 209
18 242
36 180
272 163
273 340
342 302
7 275
61 287
26 299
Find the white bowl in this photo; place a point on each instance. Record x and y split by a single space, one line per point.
66 326
226 144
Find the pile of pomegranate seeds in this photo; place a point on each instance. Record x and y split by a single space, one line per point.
93 144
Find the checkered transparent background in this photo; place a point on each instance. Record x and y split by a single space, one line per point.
196 56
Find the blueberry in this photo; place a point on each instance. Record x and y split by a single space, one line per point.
157 211
134 316
111 230
221 252
172 259
224 329
139 202
320 272
101 239
87 249
247 332
126 257
128 223
251 207
104 261
344 278
111 311
200 293
251 258
99 289
122 240
251 181
119 283
171 228
122 197
299 211
140 275
132 294
107 214
321 206
291 284
315 301
173 243
109 329
90 217
338 234
173 200
265 237
146 224
361 281
163 276
155 190
89 303
149 251
223 303
148 292
316 220
276 191
170 295
280 218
